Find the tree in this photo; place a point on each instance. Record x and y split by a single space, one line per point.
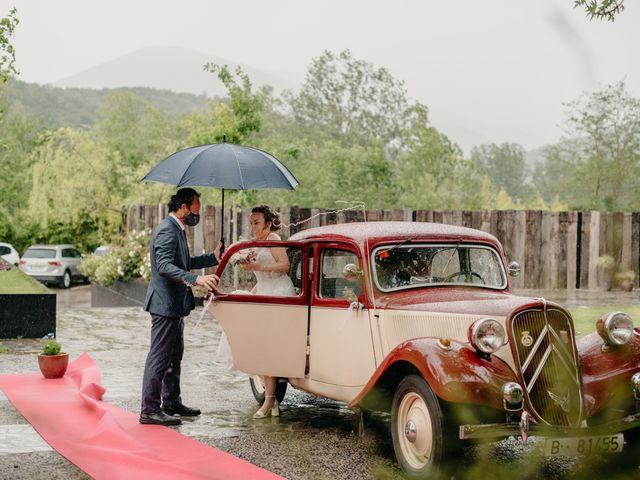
429 166
601 9
236 118
74 174
131 126
7 52
350 101
597 165
505 165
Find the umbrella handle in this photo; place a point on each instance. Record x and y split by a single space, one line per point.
221 246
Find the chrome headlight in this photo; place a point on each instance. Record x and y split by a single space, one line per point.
615 328
513 396
487 335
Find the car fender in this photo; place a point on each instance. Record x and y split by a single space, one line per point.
455 372
606 372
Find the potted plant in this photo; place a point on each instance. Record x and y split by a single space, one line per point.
52 362
606 266
625 279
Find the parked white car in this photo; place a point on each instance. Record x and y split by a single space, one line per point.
53 264
9 253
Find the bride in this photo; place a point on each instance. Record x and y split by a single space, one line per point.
271 268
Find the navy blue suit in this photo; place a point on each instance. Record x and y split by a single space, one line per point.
169 299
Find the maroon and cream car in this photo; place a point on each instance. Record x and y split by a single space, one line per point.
419 319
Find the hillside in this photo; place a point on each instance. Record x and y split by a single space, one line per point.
77 107
170 68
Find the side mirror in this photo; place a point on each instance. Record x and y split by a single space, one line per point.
351 270
514 269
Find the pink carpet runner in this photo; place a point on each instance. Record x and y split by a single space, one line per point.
108 442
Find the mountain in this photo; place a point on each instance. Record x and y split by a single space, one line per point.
169 68
56 107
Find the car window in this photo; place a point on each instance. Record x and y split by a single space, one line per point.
4 250
409 266
339 275
272 271
39 253
67 253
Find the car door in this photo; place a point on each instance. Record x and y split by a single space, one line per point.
265 313
74 259
340 343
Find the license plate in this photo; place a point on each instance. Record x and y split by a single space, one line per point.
583 445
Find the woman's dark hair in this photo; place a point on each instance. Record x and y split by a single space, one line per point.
184 195
270 215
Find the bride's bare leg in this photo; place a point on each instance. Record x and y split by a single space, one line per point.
270 404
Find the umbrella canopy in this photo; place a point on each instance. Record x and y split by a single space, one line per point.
223 165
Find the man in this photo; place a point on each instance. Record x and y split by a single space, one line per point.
169 299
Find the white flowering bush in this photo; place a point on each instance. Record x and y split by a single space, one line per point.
128 258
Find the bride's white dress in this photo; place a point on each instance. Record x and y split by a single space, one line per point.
268 283
272 283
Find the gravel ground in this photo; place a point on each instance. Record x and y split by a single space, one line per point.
312 439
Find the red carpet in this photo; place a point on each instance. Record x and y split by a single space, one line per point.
108 442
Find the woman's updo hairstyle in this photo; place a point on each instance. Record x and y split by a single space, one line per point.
270 215
184 195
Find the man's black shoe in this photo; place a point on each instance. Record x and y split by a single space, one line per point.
182 410
159 418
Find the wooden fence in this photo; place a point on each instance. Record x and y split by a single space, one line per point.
556 250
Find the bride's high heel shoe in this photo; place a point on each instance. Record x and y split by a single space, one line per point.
273 411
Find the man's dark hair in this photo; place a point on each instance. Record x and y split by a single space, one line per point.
184 195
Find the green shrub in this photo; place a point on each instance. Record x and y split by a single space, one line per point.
51 347
128 258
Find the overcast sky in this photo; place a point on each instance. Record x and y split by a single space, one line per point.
489 71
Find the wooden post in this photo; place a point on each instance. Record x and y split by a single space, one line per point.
594 249
571 246
627 242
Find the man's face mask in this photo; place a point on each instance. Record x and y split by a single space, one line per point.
192 219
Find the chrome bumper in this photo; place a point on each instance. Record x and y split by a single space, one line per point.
526 428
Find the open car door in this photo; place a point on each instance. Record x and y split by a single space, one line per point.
262 305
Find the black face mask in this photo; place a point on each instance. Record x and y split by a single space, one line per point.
192 219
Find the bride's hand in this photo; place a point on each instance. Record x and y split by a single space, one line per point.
251 267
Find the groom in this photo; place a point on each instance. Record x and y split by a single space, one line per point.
169 299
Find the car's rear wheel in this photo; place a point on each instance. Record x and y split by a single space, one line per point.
65 281
417 427
257 387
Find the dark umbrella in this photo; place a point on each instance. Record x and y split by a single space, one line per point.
223 165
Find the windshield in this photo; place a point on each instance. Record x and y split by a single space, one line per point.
408 266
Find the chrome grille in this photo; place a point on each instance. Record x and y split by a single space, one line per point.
545 353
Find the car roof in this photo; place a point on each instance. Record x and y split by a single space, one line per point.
4 244
380 232
59 245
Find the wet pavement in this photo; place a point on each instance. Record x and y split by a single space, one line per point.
312 439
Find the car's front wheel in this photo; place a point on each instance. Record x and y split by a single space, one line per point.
65 281
417 427
257 387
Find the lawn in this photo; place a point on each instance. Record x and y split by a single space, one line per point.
15 281
585 318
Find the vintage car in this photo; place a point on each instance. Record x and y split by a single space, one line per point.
419 320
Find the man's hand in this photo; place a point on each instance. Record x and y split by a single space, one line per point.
210 282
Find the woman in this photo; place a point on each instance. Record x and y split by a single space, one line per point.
271 268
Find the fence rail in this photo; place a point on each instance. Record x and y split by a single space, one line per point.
556 250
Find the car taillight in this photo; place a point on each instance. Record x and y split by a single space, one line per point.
55 264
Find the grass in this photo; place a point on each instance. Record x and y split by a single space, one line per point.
15 281
584 318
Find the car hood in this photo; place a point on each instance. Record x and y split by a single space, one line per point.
457 300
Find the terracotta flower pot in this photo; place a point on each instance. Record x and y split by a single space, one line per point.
53 366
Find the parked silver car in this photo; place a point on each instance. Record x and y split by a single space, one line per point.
9 253
52 264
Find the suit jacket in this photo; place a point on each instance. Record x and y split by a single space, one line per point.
169 293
